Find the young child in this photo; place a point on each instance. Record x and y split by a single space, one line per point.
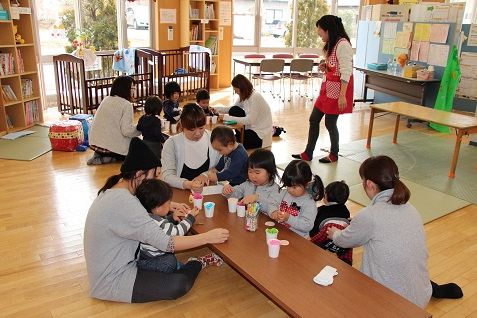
156 195
333 213
202 98
260 186
297 209
232 166
172 92
150 126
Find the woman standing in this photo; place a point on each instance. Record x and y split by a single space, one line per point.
112 127
116 224
336 94
252 111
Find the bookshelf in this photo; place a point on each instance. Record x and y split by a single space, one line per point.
200 26
19 74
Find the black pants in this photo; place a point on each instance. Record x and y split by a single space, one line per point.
250 137
152 286
314 131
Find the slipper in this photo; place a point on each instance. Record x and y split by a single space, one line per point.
302 156
328 159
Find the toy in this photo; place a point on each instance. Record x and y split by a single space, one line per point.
401 59
18 39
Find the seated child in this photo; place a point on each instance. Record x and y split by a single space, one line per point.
150 126
232 166
156 195
333 213
202 98
172 92
297 210
260 186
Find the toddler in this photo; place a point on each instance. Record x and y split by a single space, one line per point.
150 126
202 98
172 92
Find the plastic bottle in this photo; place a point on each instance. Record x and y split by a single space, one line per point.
390 66
395 67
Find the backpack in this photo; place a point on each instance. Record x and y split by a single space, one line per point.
276 131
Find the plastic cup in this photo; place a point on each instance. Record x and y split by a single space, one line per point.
214 119
241 211
198 203
209 209
232 204
167 125
207 120
174 128
273 248
271 236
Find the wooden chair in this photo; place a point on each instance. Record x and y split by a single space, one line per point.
300 69
271 70
254 56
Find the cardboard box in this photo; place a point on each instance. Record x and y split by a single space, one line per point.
390 12
411 70
366 12
4 15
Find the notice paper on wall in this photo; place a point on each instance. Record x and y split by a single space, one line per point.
467 86
438 33
438 54
472 38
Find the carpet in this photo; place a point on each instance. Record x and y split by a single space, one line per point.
28 147
424 160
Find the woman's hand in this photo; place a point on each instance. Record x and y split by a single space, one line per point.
217 236
221 117
330 231
213 170
322 67
251 198
341 103
212 176
202 178
227 189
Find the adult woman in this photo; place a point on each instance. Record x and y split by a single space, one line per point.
252 111
391 232
336 94
112 127
188 155
117 223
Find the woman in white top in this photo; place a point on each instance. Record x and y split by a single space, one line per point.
252 111
187 156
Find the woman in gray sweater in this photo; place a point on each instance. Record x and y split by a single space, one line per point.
115 226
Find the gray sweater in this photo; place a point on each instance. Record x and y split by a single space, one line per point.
304 221
115 224
394 247
268 195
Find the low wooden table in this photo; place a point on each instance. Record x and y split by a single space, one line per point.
288 279
464 125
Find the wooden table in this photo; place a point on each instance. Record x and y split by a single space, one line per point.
411 89
211 127
288 279
464 125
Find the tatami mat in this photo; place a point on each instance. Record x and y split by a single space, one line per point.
27 147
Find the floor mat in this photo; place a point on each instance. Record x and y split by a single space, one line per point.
28 147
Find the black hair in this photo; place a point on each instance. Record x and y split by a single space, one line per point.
298 173
170 88
337 191
224 135
122 87
244 86
153 105
263 159
153 193
336 31
202 95
129 176
192 116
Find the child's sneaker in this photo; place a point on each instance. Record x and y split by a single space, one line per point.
211 259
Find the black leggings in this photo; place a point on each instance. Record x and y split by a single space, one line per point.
152 286
250 137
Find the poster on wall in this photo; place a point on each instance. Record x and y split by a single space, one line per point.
167 16
225 14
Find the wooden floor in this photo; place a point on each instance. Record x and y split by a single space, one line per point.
44 204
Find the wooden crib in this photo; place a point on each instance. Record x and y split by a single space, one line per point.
80 91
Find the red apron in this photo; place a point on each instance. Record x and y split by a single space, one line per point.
327 101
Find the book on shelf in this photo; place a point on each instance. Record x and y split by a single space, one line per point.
211 44
9 122
21 67
32 114
209 11
27 87
6 63
8 93
195 32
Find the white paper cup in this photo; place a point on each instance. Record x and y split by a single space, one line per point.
207 119
273 248
174 128
214 119
241 211
167 125
209 209
198 203
232 204
271 236
163 123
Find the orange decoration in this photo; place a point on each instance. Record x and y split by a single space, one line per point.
401 59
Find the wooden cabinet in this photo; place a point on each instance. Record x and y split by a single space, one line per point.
200 26
20 105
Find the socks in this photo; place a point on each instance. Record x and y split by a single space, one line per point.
303 156
451 291
328 159
211 259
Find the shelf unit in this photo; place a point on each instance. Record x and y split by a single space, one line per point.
25 111
198 29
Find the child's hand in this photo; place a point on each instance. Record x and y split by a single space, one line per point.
221 117
274 215
330 231
212 176
283 216
194 212
251 198
216 236
227 189
179 206
213 170
178 215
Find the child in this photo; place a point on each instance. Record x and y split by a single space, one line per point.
333 213
156 195
297 209
232 165
172 92
202 98
260 186
150 126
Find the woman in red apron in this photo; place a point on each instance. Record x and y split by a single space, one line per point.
336 94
